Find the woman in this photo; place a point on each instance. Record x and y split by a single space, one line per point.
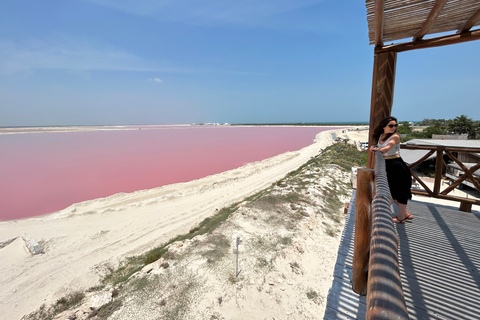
398 173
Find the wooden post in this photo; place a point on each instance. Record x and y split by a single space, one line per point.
363 204
383 83
438 171
465 206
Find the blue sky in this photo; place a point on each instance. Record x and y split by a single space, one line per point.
103 62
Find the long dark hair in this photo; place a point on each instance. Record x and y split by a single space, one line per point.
377 132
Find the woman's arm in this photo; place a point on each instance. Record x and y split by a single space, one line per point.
395 139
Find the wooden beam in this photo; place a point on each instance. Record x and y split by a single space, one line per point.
429 22
416 163
431 43
425 187
379 10
361 243
383 83
472 21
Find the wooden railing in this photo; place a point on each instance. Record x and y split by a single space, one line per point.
465 203
376 271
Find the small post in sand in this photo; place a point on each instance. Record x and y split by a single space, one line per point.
236 267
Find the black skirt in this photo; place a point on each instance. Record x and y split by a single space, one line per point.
399 179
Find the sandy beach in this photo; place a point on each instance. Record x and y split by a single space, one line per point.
81 241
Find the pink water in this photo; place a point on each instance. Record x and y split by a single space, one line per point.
45 172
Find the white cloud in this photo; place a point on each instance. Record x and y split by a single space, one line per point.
67 54
64 53
155 80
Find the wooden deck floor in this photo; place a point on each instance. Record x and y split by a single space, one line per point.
439 263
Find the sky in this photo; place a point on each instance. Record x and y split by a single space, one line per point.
120 62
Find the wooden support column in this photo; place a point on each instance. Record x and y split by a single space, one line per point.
383 83
363 205
465 206
438 170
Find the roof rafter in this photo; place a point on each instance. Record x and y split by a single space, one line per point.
379 7
432 17
473 20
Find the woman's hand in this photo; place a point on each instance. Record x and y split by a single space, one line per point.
374 148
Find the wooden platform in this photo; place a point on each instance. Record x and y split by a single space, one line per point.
439 264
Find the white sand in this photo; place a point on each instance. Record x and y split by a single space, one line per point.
81 239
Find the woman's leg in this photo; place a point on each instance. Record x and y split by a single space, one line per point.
403 212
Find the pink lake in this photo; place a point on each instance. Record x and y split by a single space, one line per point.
42 173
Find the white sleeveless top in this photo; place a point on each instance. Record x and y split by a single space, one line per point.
393 151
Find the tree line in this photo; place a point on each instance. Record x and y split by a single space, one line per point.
460 125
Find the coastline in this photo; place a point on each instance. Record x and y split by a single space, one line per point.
49 171
82 239
53 129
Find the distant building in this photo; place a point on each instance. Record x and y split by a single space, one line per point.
363 145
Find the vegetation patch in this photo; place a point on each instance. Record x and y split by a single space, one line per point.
130 266
459 125
218 246
65 303
134 264
312 294
105 311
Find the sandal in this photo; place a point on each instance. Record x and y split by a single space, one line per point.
396 220
409 216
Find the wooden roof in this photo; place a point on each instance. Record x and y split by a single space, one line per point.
414 20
